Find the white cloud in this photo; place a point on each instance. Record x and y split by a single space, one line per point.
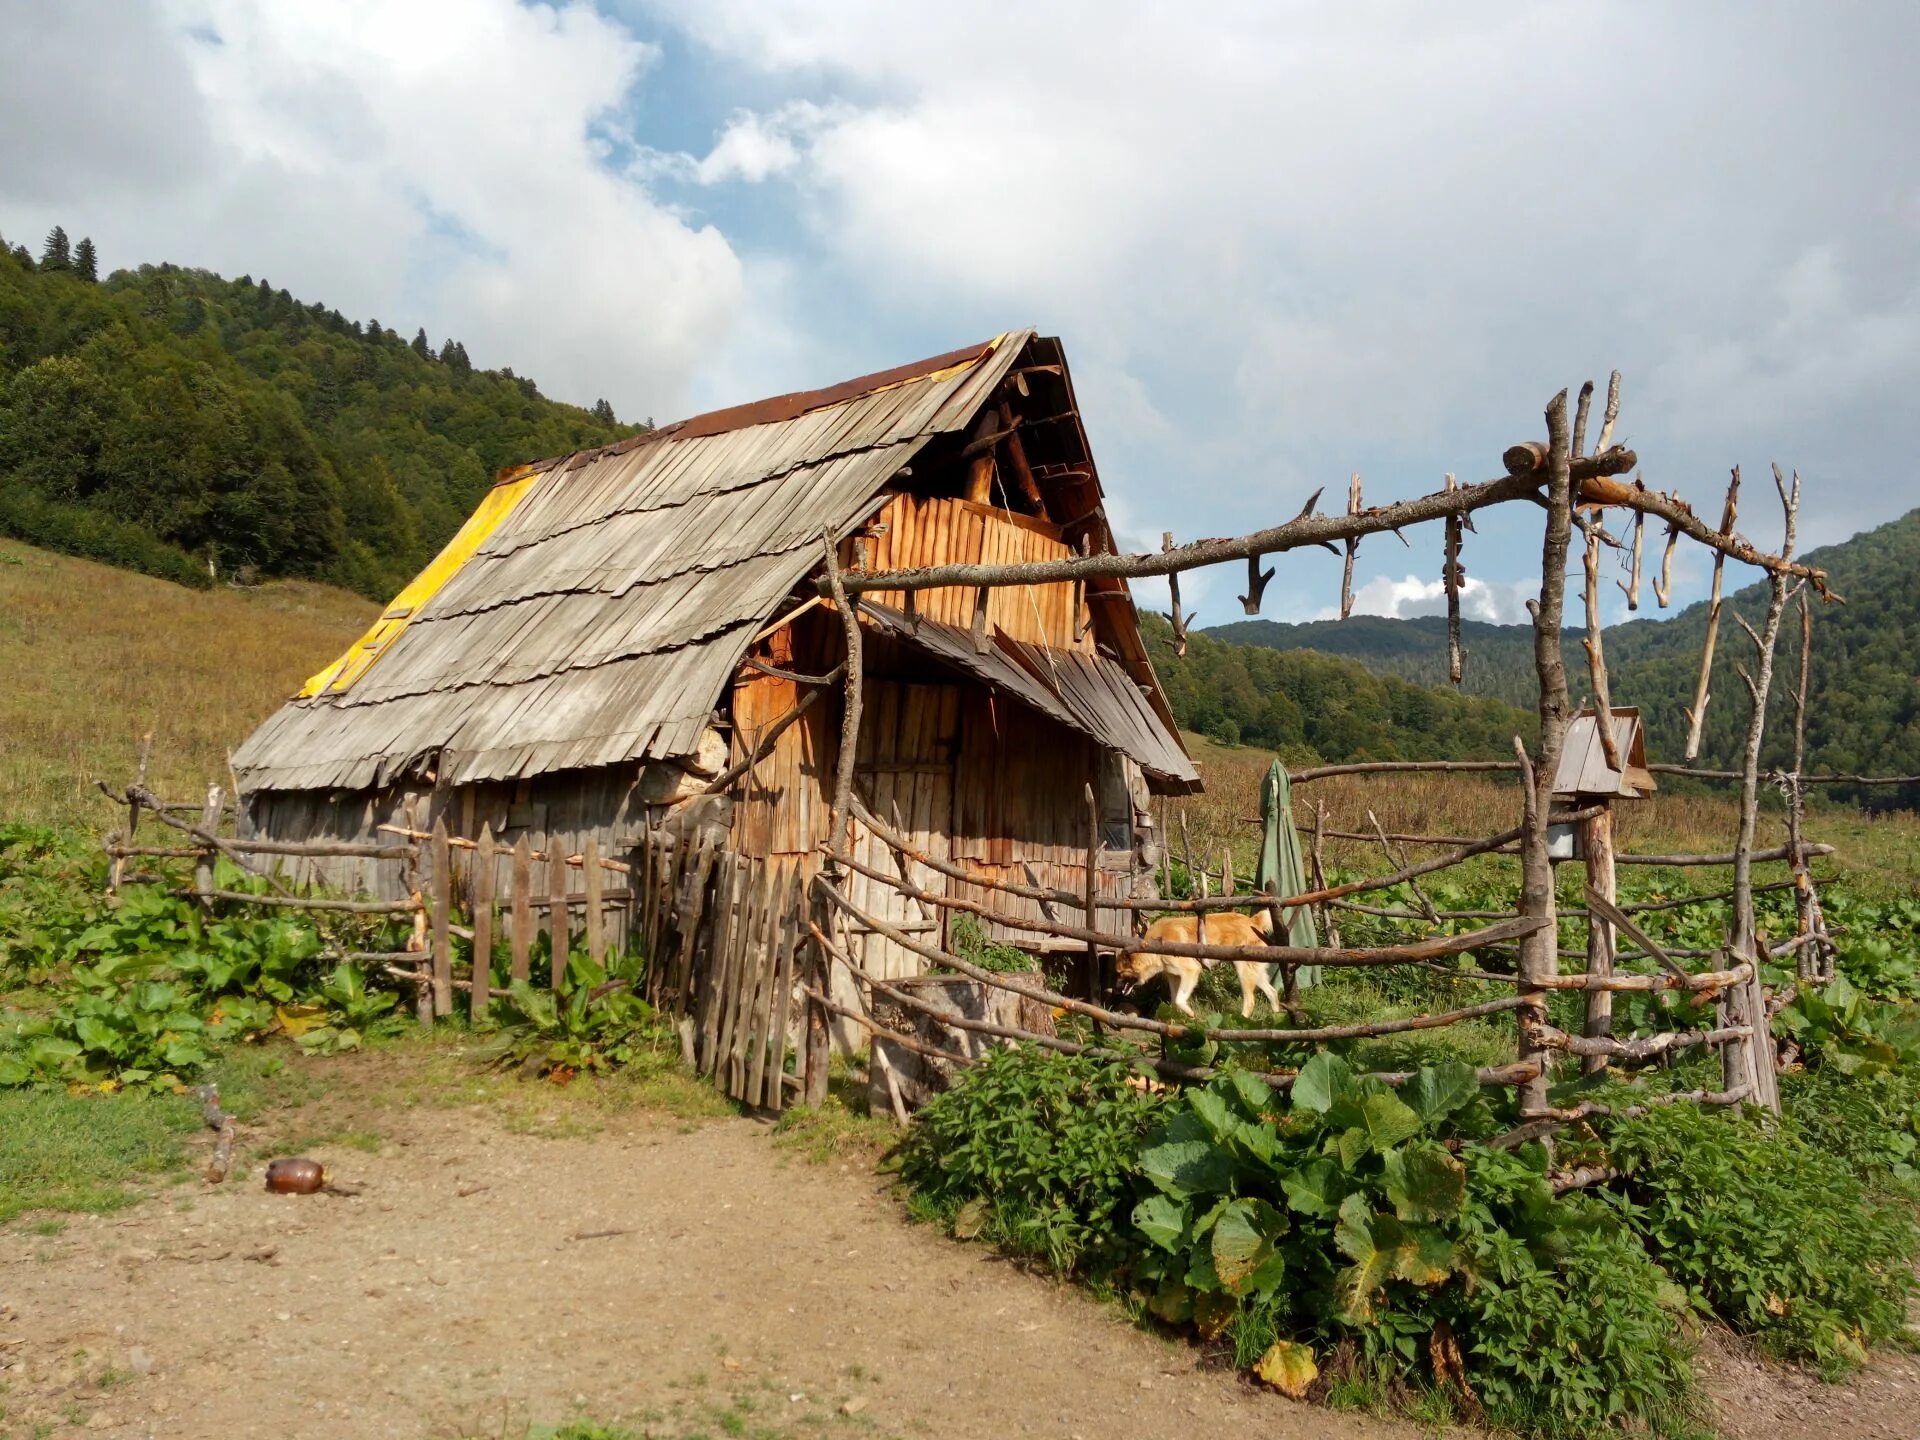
1498 604
433 163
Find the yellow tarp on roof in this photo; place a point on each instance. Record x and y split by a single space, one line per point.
498 504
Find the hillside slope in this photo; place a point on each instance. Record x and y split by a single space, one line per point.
1864 710
94 657
173 422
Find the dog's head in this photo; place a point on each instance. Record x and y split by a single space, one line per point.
1134 970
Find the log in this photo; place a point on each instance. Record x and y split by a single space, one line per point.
1777 852
310 902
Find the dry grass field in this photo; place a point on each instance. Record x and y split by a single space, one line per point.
91 658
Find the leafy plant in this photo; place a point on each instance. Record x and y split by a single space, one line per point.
1036 1150
969 941
353 1013
1775 1237
594 1023
1841 1028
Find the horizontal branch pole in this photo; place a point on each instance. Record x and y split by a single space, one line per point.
1642 1047
1301 531
1432 948
778 728
308 902
1778 852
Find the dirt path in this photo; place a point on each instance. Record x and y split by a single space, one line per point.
680 1278
473 1287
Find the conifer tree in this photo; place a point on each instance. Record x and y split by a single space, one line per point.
86 263
420 345
24 256
603 412
57 254
374 330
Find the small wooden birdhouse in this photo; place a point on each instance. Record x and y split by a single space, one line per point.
1584 774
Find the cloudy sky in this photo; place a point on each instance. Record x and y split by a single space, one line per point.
1282 243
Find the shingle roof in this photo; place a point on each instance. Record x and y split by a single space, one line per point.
603 618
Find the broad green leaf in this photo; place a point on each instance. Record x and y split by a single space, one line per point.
1255 1094
1243 1241
1424 1182
1315 1188
1256 1141
1423 1255
1289 1367
1162 1219
1439 1090
1214 1112
1185 1167
1322 1080
1385 1121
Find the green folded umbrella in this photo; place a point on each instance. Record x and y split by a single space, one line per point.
1281 870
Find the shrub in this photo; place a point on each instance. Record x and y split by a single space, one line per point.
1871 1123
1036 1150
1780 1240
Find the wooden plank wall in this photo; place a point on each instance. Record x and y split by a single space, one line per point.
931 530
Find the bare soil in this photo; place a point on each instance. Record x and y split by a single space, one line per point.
681 1277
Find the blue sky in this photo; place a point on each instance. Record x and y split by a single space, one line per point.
1282 243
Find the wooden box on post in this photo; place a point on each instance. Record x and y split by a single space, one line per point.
1586 780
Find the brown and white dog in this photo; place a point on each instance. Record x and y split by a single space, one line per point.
1224 927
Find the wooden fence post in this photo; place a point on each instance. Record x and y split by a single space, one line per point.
558 919
522 901
1597 835
442 862
484 866
203 867
590 866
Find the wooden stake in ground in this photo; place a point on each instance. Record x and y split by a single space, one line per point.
1353 547
1697 716
1093 893
1746 1004
485 874
1539 951
1597 842
442 919
1815 959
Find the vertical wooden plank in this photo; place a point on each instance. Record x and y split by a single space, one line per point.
484 874
749 1026
558 918
713 987
595 887
769 1049
441 942
739 973
522 902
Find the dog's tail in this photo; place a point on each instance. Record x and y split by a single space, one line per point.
1263 921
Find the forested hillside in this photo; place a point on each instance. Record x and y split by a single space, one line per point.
1863 714
1305 704
175 422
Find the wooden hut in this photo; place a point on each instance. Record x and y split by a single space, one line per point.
614 631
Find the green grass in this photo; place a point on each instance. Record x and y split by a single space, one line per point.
85 1152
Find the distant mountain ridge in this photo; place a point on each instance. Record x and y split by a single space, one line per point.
1864 702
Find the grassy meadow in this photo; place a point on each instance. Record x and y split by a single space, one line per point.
92 658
